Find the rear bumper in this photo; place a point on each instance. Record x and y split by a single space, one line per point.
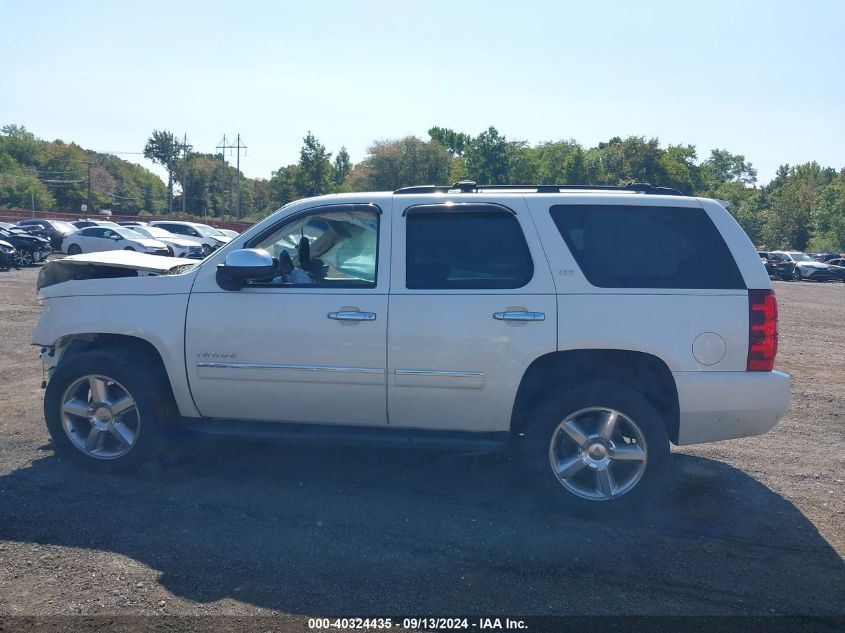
723 405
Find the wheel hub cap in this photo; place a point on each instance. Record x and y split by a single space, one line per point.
596 454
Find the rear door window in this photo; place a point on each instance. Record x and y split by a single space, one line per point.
471 247
665 247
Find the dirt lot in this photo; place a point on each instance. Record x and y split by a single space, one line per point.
754 526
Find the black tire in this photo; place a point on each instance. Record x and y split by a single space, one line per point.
206 250
74 249
796 274
632 405
142 378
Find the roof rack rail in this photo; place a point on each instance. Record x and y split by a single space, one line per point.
468 186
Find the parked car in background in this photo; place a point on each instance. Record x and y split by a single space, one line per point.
29 249
823 257
806 268
133 223
837 266
177 245
7 255
93 239
6 225
209 238
81 224
54 230
777 268
229 232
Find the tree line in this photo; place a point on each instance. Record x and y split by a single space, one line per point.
802 207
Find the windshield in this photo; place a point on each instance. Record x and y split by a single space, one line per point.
207 231
151 231
129 234
801 257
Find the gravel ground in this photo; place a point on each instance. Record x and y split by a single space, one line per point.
753 526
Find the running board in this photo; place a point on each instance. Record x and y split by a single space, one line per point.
488 442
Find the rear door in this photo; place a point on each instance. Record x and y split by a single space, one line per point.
472 304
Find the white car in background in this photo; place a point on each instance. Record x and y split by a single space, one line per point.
207 236
805 266
176 244
93 239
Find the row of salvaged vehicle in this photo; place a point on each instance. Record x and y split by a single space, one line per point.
798 266
30 241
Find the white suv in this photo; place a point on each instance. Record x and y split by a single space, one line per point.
586 328
209 238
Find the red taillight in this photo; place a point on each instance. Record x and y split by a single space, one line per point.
762 330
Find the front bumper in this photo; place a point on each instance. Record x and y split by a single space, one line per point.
724 405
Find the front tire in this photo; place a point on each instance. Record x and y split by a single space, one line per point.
105 410
598 449
796 274
74 249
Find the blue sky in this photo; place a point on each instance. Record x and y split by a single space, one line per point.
764 79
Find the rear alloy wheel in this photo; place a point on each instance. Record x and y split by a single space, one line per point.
23 258
599 447
206 250
74 249
598 453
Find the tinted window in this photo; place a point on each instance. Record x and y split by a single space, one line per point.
667 247
93 231
481 249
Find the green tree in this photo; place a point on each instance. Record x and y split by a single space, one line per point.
315 167
487 158
455 142
342 167
392 164
722 166
164 148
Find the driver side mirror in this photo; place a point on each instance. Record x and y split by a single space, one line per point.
243 266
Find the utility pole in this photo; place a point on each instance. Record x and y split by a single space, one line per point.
224 146
32 193
238 216
184 168
90 208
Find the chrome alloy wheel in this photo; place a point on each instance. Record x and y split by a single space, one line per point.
23 258
598 453
100 417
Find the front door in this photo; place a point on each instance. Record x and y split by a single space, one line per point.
308 346
472 304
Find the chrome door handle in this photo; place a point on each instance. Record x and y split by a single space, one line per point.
350 315
519 316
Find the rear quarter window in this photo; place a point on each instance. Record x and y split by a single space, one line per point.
624 246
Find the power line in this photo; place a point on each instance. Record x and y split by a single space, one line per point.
224 146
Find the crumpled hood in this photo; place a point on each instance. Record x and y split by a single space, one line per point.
108 264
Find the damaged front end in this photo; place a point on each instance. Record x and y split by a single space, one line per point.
109 265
